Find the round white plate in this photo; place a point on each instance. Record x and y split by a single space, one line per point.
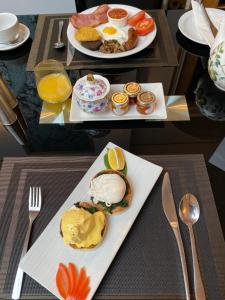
187 25
143 41
24 33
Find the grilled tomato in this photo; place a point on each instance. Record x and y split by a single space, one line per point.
145 26
136 18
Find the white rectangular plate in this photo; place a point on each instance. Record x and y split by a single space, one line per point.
78 115
41 261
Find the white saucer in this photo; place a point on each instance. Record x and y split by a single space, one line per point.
187 26
24 33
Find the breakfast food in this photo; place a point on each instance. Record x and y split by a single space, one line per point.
118 16
83 225
117 39
115 36
71 283
145 26
146 103
117 13
87 34
132 40
99 16
119 103
141 24
110 191
111 46
116 158
95 45
112 32
136 18
132 89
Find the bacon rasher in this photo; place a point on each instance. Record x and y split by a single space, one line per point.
99 16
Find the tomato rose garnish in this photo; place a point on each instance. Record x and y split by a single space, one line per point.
136 18
71 284
145 26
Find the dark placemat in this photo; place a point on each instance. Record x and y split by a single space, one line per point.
160 53
147 266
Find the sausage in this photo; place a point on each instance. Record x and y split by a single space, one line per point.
132 40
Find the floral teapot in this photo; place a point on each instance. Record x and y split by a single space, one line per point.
216 64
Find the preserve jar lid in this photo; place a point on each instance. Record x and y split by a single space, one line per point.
146 98
132 88
120 98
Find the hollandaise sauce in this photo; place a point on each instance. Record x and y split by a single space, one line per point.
81 228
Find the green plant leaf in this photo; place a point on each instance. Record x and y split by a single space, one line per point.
124 171
109 209
106 161
91 209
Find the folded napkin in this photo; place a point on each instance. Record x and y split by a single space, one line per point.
220 37
202 22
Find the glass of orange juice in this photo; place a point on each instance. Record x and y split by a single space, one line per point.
53 83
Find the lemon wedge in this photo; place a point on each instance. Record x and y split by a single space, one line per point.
116 159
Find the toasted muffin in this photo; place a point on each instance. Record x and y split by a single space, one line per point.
83 226
87 34
119 206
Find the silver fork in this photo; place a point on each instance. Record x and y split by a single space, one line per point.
34 209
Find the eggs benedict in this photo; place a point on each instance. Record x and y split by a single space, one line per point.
83 225
111 191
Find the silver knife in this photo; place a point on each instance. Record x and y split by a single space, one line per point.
70 53
171 215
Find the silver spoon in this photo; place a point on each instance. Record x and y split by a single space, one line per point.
189 212
59 43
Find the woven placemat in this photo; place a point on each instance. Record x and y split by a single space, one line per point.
160 53
147 266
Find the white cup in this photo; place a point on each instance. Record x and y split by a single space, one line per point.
9 27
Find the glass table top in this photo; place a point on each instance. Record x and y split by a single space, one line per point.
202 134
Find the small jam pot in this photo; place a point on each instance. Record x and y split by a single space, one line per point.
132 89
146 102
120 103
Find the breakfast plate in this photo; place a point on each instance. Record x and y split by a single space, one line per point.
188 27
42 260
78 115
143 41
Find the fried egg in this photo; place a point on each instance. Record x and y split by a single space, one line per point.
112 32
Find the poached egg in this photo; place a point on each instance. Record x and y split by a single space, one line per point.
108 188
